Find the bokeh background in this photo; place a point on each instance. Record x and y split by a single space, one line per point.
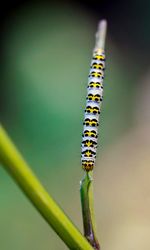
46 49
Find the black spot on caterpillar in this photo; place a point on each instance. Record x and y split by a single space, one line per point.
92 110
95 74
96 98
89 143
88 133
95 85
97 66
88 153
99 57
90 122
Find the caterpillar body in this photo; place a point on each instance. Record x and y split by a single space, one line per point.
92 110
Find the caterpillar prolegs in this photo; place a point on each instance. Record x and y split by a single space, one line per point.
92 110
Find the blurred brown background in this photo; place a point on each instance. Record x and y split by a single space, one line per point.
46 49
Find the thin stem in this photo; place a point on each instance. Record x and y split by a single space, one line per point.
14 163
86 191
101 35
86 185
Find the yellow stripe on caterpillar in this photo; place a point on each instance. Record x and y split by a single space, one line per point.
91 133
97 66
95 74
96 98
92 110
91 122
99 57
89 143
95 85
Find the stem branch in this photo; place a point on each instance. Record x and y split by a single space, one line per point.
14 163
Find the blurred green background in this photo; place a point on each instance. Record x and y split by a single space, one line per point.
46 52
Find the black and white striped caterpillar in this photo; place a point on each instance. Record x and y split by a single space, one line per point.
92 110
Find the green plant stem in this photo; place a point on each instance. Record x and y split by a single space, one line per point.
14 163
86 191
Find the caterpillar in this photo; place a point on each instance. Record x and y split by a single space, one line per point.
92 110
